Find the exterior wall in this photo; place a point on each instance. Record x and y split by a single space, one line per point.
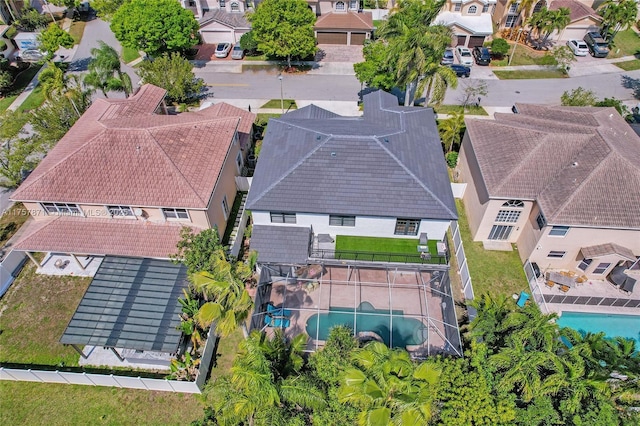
491 209
366 226
576 30
529 234
465 8
475 196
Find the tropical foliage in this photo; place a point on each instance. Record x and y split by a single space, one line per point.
105 71
53 38
175 74
544 22
617 15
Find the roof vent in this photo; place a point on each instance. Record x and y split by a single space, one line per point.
574 164
318 137
385 140
333 154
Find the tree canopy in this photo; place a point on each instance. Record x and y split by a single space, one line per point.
154 26
106 8
284 28
175 74
53 38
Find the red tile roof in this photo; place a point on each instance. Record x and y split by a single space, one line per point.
577 10
120 152
90 236
345 21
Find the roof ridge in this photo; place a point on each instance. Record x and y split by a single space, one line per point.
413 176
358 16
196 120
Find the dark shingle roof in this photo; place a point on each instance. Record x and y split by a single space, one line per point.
388 163
582 165
281 244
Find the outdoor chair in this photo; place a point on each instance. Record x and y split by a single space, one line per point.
549 284
581 280
564 288
278 311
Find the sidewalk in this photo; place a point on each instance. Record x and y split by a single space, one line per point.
577 69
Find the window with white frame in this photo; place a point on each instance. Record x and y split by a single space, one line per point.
538 7
335 220
541 220
353 4
513 203
239 162
472 10
225 208
584 264
500 232
556 254
511 21
407 226
282 217
601 268
485 8
457 7
120 211
509 216
175 214
340 5
513 8
235 7
222 4
61 208
558 231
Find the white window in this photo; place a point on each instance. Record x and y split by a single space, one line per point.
513 203
472 10
485 8
222 4
584 264
225 208
340 5
510 216
555 254
335 220
513 9
239 162
558 231
235 7
511 21
457 7
62 208
538 7
541 221
353 4
407 226
177 214
500 232
120 211
281 217
601 268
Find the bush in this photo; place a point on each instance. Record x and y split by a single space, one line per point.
31 20
3 44
452 159
11 32
249 43
499 47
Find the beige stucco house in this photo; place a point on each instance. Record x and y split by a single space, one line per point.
559 182
127 177
221 21
470 20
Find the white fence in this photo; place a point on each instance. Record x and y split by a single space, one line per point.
463 268
9 268
379 14
534 286
243 183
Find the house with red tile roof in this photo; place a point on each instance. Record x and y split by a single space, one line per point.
127 178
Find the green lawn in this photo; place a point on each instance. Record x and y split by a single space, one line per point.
276 103
21 81
529 74
27 403
77 30
631 65
626 43
377 23
491 271
256 58
11 221
129 54
34 313
34 100
470 110
225 353
381 245
525 56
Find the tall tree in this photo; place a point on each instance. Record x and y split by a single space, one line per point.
106 8
376 71
545 22
197 251
53 38
18 153
617 15
175 74
451 130
54 118
284 29
105 71
155 26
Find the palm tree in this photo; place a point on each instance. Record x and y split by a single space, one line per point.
617 15
545 22
105 72
451 130
388 387
437 79
55 83
487 325
536 330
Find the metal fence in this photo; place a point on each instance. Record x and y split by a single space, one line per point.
534 286
592 300
463 268
367 256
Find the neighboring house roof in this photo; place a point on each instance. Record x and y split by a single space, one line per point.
281 244
233 20
475 24
577 9
91 236
468 1
120 152
345 21
602 250
581 164
387 163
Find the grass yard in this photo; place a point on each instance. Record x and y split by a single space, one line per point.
11 221
525 56
256 58
275 103
77 30
631 65
129 54
381 245
529 74
25 403
626 43
35 99
491 271
19 84
33 315
225 353
469 110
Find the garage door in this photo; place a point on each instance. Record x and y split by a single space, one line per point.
332 38
577 33
213 37
475 41
462 39
358 38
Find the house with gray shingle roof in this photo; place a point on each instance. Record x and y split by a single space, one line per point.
560 182
321 175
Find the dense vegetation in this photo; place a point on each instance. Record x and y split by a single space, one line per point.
520 368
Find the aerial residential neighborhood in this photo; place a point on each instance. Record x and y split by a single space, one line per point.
297 212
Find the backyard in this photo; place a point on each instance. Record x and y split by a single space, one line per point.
381 245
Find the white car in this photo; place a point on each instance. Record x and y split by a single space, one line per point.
578 47
464 56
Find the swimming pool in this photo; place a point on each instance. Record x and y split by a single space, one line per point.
627 326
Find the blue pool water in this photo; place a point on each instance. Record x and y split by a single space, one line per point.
612 325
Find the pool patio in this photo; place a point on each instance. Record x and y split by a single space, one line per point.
409 307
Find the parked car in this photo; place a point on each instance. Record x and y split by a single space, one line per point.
464 56
578 47
30 55
237 52
596 44
460 70
222 50
482 55
447 57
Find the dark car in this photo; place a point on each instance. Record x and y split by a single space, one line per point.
598 47
460 70
447 57
482 55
